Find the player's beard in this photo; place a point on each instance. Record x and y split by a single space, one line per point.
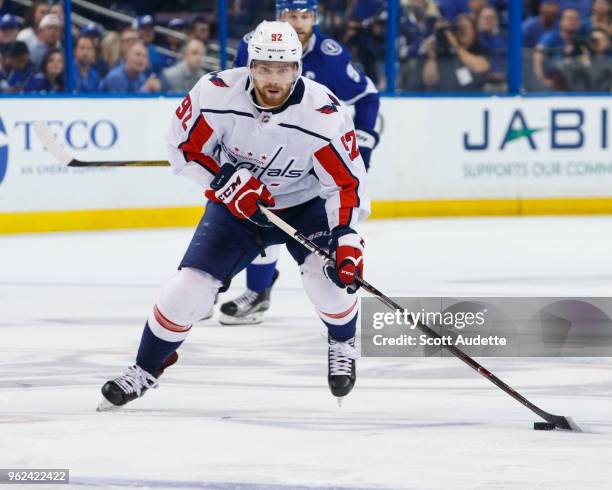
272 95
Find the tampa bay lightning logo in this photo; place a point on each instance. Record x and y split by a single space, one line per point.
331 47
3 151
217 80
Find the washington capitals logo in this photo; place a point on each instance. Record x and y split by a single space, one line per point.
216 80
3 151
329 108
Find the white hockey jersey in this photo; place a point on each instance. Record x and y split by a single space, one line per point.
304 149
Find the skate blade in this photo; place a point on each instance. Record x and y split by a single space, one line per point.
106 406
252 319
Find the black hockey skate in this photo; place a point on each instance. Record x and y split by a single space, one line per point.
248 308
131 385
341 373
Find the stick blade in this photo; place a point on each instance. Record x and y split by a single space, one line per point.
557 422
567 423
42 130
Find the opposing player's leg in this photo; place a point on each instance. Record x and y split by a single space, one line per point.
249 307
221 246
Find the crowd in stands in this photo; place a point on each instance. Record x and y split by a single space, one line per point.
462 46
442 45
127 60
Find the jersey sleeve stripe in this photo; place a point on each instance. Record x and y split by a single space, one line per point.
199 134
334 165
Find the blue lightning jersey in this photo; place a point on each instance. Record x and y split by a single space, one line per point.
329 63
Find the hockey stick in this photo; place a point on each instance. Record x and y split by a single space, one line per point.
42 130
554 421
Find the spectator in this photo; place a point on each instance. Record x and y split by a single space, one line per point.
200 29
47 37
145 25
17 68
51 77
475 7
58 9
184 75
416 25
366 9
110 49
332 18
456 62
172 42
592 69
488 31
129 37
365 40
583 7
492 41
35 14
84 75
93 32
546 21
130 77
9 28
601 17
553 47
450 9
600 62
242 15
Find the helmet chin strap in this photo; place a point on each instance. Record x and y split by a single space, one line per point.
252 84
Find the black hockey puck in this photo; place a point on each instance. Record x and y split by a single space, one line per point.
543 426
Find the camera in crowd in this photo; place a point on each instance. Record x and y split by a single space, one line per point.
443 47
580 43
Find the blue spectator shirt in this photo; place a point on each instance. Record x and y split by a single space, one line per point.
39 83
452 8
494 43
89 83
329 63
533 30
16 79
553 45
366 9
412 35
552 40
117 81
158 61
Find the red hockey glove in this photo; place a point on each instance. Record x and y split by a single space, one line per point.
346 247
240 192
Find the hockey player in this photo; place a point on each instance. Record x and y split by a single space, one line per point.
261 134
327 62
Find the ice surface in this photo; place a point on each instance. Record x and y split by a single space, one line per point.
248 407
